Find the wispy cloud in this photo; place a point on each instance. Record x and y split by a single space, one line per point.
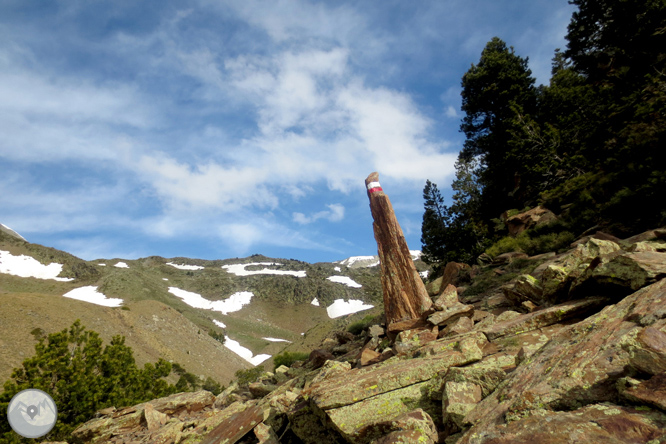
335 213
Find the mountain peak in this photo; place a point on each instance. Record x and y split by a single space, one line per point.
6 229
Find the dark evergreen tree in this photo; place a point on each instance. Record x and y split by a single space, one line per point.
496 93
435 219
619 48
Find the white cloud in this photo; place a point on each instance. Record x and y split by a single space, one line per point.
451 112
335 213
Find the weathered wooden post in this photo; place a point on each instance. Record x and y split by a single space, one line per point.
405 296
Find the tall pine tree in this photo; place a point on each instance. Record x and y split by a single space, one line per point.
495 93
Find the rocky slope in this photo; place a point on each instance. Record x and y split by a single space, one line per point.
551 349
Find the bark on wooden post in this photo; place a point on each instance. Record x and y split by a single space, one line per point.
405 296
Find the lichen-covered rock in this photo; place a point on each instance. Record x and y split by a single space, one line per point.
154 419
651 392
462 325
624 273
265 434
536 216
599 423
656 246
447 298
329 370
452 274
525 288
580 365
451 314
544 317
412 339
434 287
646 349
409 428
507 258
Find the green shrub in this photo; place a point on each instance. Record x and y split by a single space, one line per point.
245 377
288 358
533 242
83 377
217 336
212 386
358 326
508 244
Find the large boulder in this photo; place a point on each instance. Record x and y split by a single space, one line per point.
622 273
528 219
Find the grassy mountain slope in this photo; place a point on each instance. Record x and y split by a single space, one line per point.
157 324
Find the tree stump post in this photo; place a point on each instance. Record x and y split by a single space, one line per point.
405 296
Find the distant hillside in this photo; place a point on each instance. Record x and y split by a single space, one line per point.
169 308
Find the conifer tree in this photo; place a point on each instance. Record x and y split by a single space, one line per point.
82 377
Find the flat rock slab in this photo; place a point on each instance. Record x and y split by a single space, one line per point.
235 427
451 313
359 384
600 423
544 317
188 401
358 422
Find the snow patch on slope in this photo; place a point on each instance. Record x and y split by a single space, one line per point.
344 280
363 261
185 267
341 307
239 270
121 265
26 266
233 303
243 352
276 340
90 294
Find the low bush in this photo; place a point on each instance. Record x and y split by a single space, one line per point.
288 358
245 377
358 326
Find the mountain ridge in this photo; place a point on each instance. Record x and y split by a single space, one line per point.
282 305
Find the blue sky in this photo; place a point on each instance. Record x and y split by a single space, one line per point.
216 129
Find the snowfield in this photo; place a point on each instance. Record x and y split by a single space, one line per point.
344 280
276 340
90 294
185 267
239 269
341 308
372 261
243 352
315 301
233 303
121 265
26 266
219 324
